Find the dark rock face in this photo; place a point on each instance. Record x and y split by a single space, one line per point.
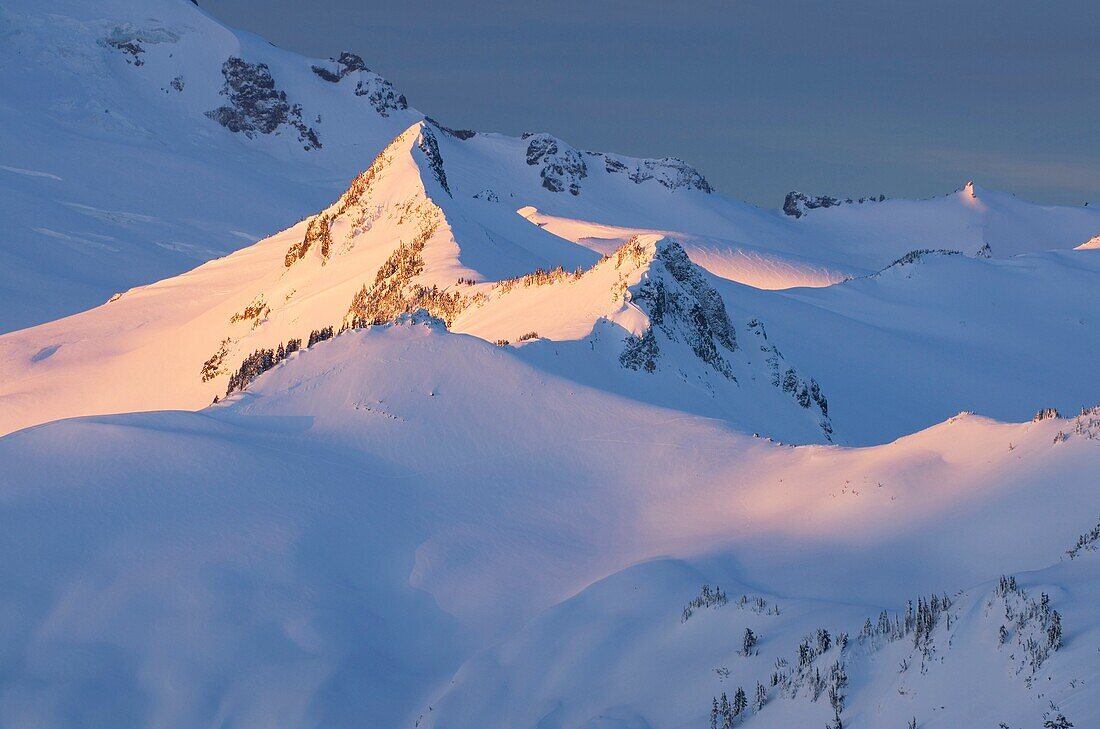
786 378
345 64
561 166
131 48
462 134
641 353
429 145
256 106
670 172
684 307
351 62
380 93
797 203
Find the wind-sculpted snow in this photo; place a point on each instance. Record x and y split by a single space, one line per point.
257 561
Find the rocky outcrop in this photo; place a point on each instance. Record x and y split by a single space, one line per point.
429 145
798 204
256 106
669 172
560 166
379 92
131 41
345 64
806 392
682 306
462 134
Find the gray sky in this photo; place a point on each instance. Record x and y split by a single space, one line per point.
848 98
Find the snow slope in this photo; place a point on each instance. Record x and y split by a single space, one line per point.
113 174
464 443
401 505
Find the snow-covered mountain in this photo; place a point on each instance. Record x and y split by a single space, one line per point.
141 138
498 432
432 223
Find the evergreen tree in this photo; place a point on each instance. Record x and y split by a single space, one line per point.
714 713
761 697
740 702
725 711
748 642
1054 632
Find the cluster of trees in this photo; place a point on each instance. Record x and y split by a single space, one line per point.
259 362
723 712
805 673
319 335
1088 423
709 597
538 277
262 360
1087 542
212 367
1037 626
923 621
393 292
920 623
318 230
254 310
1045 414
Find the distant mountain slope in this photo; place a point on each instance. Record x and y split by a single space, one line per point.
333 544
142 138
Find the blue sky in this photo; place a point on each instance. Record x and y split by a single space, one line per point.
909 99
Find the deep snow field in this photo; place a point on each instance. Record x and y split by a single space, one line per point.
316 412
